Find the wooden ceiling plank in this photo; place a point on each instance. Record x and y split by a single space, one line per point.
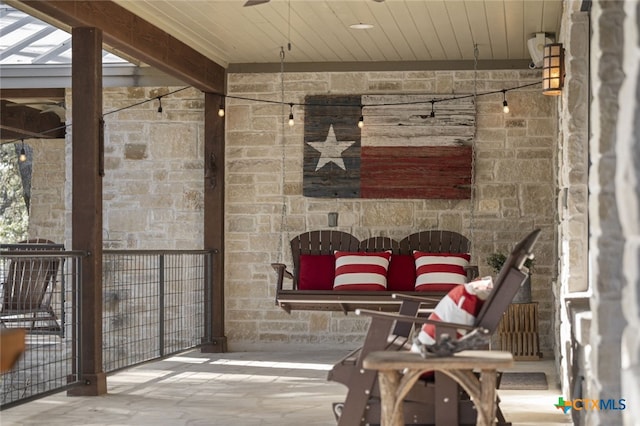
132 35
332 47
532 10
364 44
516 39
463 35
552 16
498 30
479 25
423 20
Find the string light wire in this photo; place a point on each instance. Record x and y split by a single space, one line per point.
291 104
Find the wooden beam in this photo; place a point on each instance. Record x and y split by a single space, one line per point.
214 147
136 37
86 214
54 94
19 121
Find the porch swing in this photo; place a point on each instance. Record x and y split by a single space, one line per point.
314 263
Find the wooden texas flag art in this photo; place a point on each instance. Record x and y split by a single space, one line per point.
401 152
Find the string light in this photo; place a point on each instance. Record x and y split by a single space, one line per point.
361 119
291 121
505 105
23 154
221 111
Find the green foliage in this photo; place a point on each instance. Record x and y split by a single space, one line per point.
14 217
497 259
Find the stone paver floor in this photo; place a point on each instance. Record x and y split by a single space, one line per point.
241 389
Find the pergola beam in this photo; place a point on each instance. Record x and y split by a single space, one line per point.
130 34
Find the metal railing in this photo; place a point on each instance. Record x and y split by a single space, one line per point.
154 304
39 293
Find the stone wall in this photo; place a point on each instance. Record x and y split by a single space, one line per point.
573 164
153 184
265 208
605 247
627 180
153 187
47 211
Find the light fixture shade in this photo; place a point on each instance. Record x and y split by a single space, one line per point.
553 69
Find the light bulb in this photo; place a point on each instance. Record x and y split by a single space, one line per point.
221 111
361 122
505 105
23 156
291 122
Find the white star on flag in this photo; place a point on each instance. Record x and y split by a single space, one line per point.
331 150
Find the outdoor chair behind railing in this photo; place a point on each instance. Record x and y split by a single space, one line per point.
28 288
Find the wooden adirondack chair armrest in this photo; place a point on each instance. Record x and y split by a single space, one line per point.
472 271
281 271
415 298
407 318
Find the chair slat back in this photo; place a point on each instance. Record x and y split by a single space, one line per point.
377 244
28 279
510 278
317 243
435 241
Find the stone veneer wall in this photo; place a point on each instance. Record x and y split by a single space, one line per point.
265 207
573 164
153 184
613 363
47 211
627 181
153 187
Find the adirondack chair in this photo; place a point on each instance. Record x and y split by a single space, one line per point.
439 400
29 286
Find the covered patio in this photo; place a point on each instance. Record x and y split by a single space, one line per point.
270 388
193 148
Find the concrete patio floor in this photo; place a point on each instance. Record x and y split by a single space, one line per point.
243 389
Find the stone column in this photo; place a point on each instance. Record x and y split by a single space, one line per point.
627 182
606 245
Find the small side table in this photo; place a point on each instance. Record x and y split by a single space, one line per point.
394 385
518 331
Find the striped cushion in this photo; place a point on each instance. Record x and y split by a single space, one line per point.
461 306
361 271
440 271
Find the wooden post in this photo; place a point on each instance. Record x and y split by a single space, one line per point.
215 340
87 150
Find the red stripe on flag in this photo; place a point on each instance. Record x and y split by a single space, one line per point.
416 172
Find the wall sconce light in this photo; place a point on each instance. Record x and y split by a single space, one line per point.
553 69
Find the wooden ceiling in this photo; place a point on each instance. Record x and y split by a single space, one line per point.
318 30
197 41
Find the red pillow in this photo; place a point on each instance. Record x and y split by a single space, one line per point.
440 271
361 271
316 272
402 273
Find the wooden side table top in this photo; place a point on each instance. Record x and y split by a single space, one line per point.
465 360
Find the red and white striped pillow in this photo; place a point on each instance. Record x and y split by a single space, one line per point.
461 306
361 271
440 271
